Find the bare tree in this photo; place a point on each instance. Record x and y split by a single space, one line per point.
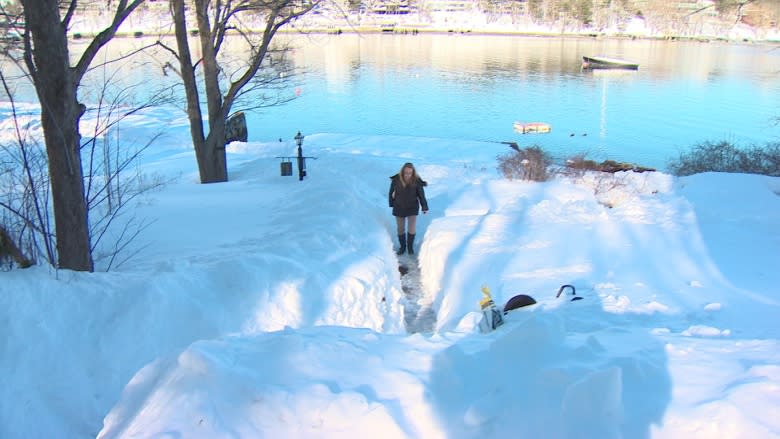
112 182
213 20
47 58
24 194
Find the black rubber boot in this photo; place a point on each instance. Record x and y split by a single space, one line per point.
410 243
402 249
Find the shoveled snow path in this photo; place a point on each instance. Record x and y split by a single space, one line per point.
419 315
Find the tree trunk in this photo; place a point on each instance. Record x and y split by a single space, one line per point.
215 154
190 86
60 116
209 150
214 147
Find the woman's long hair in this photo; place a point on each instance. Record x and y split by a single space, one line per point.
413 180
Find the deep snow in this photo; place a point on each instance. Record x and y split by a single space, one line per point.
272 307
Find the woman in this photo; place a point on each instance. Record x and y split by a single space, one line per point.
406 196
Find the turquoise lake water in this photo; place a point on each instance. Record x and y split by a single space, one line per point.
475 87
455 86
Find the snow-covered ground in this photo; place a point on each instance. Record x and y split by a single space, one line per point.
272 307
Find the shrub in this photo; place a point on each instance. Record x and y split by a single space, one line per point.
530 163
578 165
10 252
726 157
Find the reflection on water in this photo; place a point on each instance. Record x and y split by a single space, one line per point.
475 87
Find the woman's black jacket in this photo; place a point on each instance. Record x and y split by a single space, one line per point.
406 200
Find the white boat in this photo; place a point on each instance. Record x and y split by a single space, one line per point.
602 62
532 127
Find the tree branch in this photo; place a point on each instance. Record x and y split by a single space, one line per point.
123 10
272 26
69 14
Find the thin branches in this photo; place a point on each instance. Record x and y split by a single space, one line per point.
123 10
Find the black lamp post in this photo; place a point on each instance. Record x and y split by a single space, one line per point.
301 159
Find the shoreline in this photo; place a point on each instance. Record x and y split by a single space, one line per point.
159 23
477 33
529 34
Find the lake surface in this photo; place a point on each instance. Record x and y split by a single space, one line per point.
475 87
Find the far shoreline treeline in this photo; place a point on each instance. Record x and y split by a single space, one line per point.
443 31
